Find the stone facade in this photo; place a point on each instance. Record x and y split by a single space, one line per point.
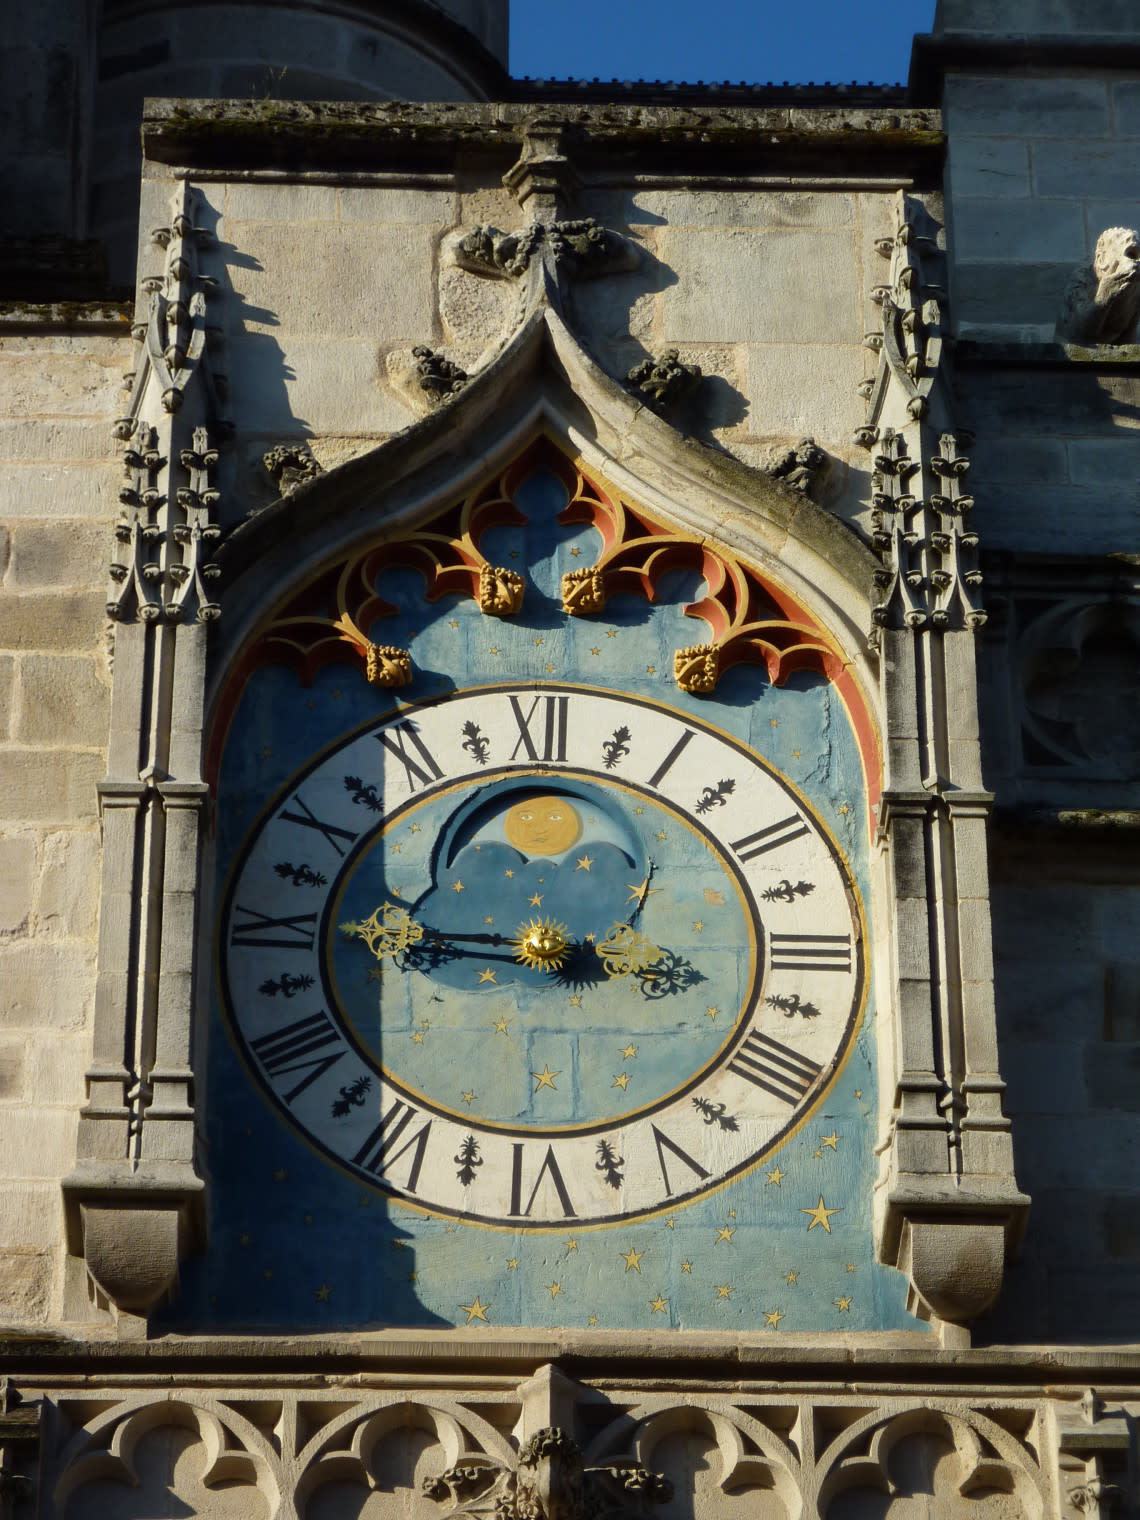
831 338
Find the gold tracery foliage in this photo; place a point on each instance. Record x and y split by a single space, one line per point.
749 620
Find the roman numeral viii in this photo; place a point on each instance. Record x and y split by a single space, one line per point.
542 729
774 837
766 1063
811 952
300 1046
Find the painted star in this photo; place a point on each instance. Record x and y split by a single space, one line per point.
622 1080
843 1304
820 1215
508 873
488 974
817 1154
773 1317
659 1304
570 1245
791 1278
830 1141
850 1267
323 1294
502 1025
468 1097
773 722
494 649
671 1222
584 864
629 1052
595 650
539 641
488 918
639 891
536 900
858 1092
661 835
711 1011
687 1268
651 670
453 622
639 810
457 886
591 1321
415 828
575 1000
843 809
723 1290
698 926
575 552
545 1078
633 1259
776 1176
476 1309
611 633
554 1289
725 1233
548 668
245 1240
796 754
512 1263
418 1037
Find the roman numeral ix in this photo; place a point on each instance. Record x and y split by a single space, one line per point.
766 1063
546 739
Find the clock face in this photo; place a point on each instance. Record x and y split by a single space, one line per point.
539 953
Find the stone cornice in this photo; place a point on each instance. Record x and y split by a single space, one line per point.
934 54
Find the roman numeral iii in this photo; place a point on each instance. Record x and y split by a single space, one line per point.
811 952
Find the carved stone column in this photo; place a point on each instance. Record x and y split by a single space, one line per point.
951 1209
134 1200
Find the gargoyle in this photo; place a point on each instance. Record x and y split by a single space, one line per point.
1102 300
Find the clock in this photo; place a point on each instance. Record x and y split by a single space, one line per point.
533 953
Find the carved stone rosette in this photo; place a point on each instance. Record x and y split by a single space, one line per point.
951 1208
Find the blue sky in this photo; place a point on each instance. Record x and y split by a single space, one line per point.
753 40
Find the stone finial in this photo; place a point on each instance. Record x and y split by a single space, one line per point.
501 591
1102 301
290 465
581 248
388 665
665 381
438 376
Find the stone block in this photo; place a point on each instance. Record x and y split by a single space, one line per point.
45 986
63 699
59 553
59 439
1122 1002
17 877
326 385
1007 294
1081 170
1120 1225
37 1142
989 166
25 1286
57 1068
1048 1002
393 204
12 1068
998 461
1045 1079
1105 462
279 203
51 620
71 386
1066 520
723 208
7 683
1112 1076
373 279
770 287
1036 231
475 313
1053 405
994 105
68 900
1044 18
52 786
64 491
801 388
30 1217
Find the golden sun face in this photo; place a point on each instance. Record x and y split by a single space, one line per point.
541 944
543 825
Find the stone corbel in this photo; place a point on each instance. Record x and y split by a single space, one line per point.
1093 1445
134 1239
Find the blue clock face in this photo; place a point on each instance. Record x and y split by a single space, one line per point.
549 954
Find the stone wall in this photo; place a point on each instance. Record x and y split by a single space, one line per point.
59 394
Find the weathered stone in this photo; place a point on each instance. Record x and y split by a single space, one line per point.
989 166
280 203
393 205
327 385
794 388
51 620
68 387
26 969
12 1064
38 1142
25 1285
68 898
998 106
724 208
59 553
17 878
989 230
50 785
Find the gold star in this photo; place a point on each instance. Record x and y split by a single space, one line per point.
592 1321
494 649
629 1052
611 633
590 938
698 926
687 1267
773 722
512 1263
622 1080
796 753
732 1213
843 1304
773 1317
858 1092
820 1215
633 1259
659 1304
475 1310
851 1266
397 849
549 669
508 873
595 650
651 670
545 1078
415 828
554 1289
711 1011
661 835
817 1154
725 1233
575 551
791 1278
575 1000
267 752
468 1097
418 1037
280 1175
488 974
671 1222
453 622
323 1294
571 1244
536 900
639 891
457 886
489 918
639 810
502 1025
723 1290
539 641
584 864
830 1141
844 809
